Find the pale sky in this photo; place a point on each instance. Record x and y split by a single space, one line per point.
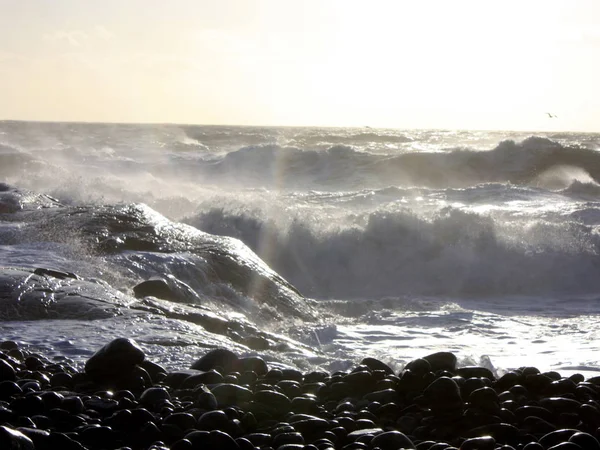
470 64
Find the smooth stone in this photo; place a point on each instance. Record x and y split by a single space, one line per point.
475 372
537 411
8 345
556 437
375 364
273 399
170 289
537 426
441 361
291 374
8 389
11 439
244 444
443 394
102 436
471 384
253 364
209 377
7 372
61 441
183 420
418 366
38 437
585 440
304 405
503 433
590 415
566 446
231 394
156 371
287 438
219 358
533 446
479 443
154 395
213 420
222 441
259 439
391 440
115 359
560 404
182 444
483 397
383 397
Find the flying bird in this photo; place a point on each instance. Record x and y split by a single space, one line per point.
552 116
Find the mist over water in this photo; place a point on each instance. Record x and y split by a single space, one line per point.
419 231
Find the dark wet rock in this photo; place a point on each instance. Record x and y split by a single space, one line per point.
502 432
391 440
62 441
419 366
443 394
484 398
7 372
11 439
254 364
556 437
114 361
560 387
156 371
566 446
375 364
479 443
231 394
537 383
533 446
99 437
30 296
475 372
384 396
585 441
167 288
471 384
209 377
560 404
217 420
590 415
184 421
441 361
8 389
275 400
287 438
219 358
39 437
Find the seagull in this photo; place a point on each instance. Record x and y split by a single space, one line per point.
552 116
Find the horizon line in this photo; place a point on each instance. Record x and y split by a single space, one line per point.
366 127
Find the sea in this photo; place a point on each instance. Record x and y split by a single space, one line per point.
313 247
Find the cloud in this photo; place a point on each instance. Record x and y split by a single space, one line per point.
77 38
102 33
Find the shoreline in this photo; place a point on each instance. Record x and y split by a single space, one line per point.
123 400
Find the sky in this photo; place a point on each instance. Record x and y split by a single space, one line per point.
466 64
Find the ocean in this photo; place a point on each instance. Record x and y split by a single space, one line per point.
313 247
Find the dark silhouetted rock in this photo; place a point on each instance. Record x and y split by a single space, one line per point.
441 361
115 360
219 359
391 440
11 439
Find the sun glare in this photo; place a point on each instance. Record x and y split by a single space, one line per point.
462 64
